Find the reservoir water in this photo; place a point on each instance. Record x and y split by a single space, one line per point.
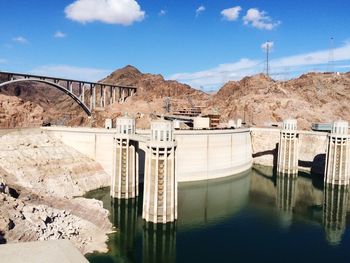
252 217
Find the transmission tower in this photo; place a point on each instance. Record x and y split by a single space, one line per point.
267 49
331 56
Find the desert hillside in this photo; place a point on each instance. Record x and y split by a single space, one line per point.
313 97
259 100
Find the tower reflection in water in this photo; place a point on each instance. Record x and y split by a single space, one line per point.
124 216
159 240
159 243
285 197
335 205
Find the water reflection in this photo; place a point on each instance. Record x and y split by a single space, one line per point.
124 218
211 202
285 198
334 212
159 243
234 215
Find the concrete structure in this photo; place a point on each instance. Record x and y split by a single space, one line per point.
335 206
212 154
160 184
53 251
312 148
288 149
124 183
233 124
200 154
337 161
85 93
108 123
201 123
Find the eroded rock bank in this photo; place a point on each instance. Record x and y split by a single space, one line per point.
39 177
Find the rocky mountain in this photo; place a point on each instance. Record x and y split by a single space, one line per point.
151 86
32 104
150 97
260 100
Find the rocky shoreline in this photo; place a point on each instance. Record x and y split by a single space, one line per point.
39 179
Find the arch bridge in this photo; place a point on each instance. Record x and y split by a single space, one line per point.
85 93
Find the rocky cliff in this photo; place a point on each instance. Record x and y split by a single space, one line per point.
39 179
32 104
259 100
313 97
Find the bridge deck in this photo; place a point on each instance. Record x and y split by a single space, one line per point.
31 76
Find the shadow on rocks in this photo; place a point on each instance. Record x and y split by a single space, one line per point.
2 238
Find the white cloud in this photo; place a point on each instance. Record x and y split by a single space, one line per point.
71 72
59 34
200 10
124 12
162 12
290 66
231 14
267 44
259 19
20 40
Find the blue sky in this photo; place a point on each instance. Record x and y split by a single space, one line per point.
202 43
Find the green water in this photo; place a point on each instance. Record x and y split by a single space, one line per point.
253 217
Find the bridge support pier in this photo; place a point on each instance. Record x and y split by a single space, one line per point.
337 158
123 95
114 95
124 183
83 93
287 163
160 184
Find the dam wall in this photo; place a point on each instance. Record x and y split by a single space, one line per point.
210 154
312 148
95 143
200 154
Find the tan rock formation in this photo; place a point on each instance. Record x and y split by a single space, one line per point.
39 176
313 97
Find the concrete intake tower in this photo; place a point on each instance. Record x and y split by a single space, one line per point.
337 160
287 163
160 184
125 174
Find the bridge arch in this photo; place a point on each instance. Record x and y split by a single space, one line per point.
59 87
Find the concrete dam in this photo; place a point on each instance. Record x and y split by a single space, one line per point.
163 157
